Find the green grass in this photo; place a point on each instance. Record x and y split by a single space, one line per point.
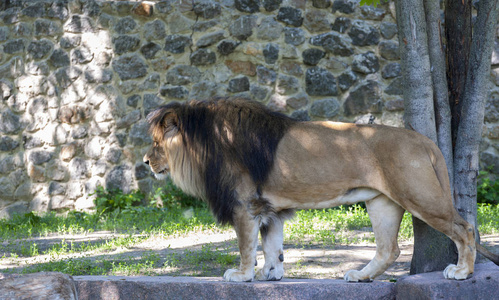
131 225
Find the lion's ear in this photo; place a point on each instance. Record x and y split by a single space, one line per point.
170 124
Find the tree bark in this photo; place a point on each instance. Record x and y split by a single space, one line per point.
432 249
44 285
469 132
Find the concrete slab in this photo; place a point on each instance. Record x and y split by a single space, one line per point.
483 285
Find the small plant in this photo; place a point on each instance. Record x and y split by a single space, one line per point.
171 196
109 201
488 189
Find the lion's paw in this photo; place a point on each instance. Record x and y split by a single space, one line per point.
272 274
236 275
356 276
455 272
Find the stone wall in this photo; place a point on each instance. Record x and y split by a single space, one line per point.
77 79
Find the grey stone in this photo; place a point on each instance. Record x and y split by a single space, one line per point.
11 15
226 47
46 28
125 43
271 5
365 63
182 75
316 21
396 87
13 69
78 168
14 46
297 101
391 70
151 101
176 92
207 9
18 208
242 27
372 13
59 58
130 67
205 90
346 80
38 105
163 7
259 92
133 100
239 84
39 49
81 55
129 119
248 6
79 24
139 135
8 144
113 155
56 188
344 6
176 43
492 108
4 33
204 25
312 56
341 24
210 39
58 10
321 3
7 189
320 82
394 105
30 142
93 75
363 34
65 76
120 177
39 157
150 83
79 132
74 191
269 29
155 30
125 25
301 115
149 50
265 76
271 53
326 108
6 88
389 50
9 122
366 98
23 191
68 42
91 8
141 171
294 36
333 42
35 10
388 30
203 57
290 16
24 29
287 85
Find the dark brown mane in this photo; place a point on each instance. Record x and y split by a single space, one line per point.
226 134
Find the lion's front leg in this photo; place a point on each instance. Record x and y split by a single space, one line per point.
272 239
246 227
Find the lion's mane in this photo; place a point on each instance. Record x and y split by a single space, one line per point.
221 138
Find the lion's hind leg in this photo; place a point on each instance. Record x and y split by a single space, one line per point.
272 239
385 217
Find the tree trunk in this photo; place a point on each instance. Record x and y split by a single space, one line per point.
469 132
44 285
432 249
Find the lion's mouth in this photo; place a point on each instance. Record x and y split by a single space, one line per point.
163 172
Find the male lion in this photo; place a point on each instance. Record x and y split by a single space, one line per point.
254 167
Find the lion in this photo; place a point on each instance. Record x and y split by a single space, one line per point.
255 167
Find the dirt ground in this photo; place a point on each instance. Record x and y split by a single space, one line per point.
301 261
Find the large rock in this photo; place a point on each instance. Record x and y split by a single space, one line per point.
366 98
320 82
130 67
120 177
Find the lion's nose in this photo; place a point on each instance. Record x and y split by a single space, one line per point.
146 161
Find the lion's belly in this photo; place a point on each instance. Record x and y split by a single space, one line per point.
309 199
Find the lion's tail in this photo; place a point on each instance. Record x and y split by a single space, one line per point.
483 251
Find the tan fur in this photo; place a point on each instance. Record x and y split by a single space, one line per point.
325 164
